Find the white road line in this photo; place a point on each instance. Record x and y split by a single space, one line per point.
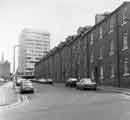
21 101
126 96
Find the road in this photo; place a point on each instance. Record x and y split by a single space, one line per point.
62 103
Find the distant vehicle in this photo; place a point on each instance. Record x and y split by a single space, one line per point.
86 83
2 80
26 87
32 79
50 81
18 81
71 82
42 80
45 81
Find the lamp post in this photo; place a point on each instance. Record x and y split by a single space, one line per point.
14 47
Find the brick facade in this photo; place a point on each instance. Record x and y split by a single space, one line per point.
104 47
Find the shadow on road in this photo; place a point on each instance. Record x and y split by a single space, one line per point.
106 91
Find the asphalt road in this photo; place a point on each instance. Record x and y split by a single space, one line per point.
61 103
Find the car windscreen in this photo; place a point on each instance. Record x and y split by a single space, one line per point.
73 79
87 81
26 83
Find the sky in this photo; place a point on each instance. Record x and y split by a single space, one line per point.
59 17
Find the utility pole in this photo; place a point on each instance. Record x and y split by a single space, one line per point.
88 58
118 50
14 57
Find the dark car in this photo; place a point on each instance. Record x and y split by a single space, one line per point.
71 82
50 81
86 83
26 87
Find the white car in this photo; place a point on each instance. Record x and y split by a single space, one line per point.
2 80
86 83
26 87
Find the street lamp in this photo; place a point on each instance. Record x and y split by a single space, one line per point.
14 47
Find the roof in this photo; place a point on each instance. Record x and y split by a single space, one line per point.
108 16
72 38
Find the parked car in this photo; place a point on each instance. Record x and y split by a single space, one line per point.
42 80
86 83
2 80
19 80
50 81
71 82
32 79
26 87
46 81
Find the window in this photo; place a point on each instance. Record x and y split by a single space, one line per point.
124 17
92 57
101 73
91 42
112 71
92 75
111 47
126 73
111 26
100 33
125 41
101 53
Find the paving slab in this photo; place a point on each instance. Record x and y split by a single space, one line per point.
7 94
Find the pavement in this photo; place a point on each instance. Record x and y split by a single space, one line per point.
125 91
7 94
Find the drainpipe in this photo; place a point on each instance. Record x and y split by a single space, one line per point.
118 50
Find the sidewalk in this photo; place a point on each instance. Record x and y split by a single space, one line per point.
7 94
125 91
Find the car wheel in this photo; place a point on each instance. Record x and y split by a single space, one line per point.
77 87
21 92
95 89
32 91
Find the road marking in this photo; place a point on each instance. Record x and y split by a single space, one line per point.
126 96
21 101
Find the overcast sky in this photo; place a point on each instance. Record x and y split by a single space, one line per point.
59 17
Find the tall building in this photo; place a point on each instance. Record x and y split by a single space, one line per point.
33 45
4 68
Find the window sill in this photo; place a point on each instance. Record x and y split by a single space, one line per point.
110 32
125 49
112 76
111 53
91 61
123 23
91 43
126 74
100 58
100 38
102 78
